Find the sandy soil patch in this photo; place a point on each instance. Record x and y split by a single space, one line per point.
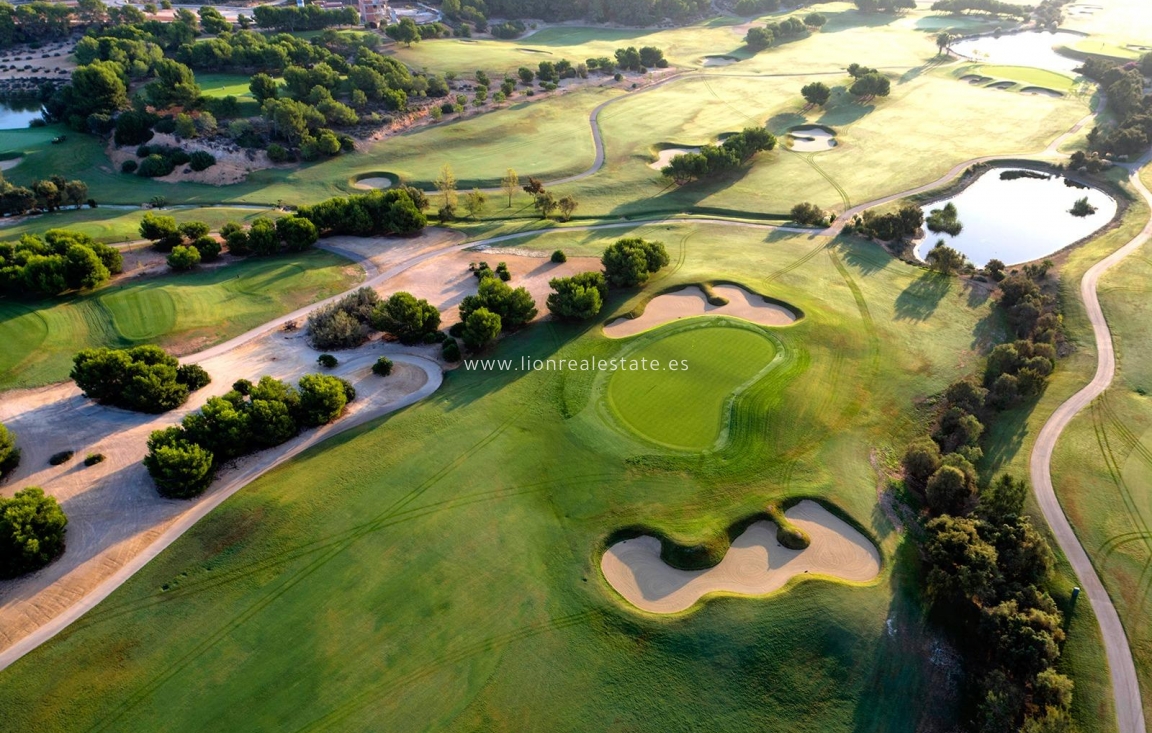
378 254
755 565
373 182
664 157
1041 91
52 67
811 139
719 60
692 301
232 166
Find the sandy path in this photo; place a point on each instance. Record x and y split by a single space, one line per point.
755 565
1125 683
692 301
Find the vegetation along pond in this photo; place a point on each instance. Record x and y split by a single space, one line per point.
1016 215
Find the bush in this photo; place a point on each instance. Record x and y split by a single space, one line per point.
242 386
60 458
322 399
9 453
277 153
208 248
155 166
93 458
183 258
201 160
32 529
327 361
180 468
143 378
343 324
481 328
451 351
629 262
192 376
129 166
558 257
382 367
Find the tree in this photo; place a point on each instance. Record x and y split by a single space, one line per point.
815 20
322 399
263 87
183 258
808 214
921 460
515 307
758 38
944 259
446 184
175 85
870 85
817 93
474 203
180 468
546 203
161 231
629 262
9 453
31 532
406 32
579 297
406 318
943 41
481 328
962 564
1003 499
262 237
947 490
509 184
297 233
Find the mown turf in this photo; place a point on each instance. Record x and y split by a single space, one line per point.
184 312
679 392
451 582
118 225
1025 76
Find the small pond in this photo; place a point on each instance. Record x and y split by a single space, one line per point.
1019 219
1029 48
17 115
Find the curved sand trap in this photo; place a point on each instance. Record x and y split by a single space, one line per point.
1041 91
1002 85
373 182
811 139
756 564
11 163
720 60
665 156
975 79
691 302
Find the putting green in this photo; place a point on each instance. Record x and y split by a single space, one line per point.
681 398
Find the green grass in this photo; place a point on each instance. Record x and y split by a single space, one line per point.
680 394
117 225
454 585
184 312
1026 76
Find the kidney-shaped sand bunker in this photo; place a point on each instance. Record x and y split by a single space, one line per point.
692 301
755 565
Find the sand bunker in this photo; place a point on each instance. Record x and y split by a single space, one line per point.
720 60
691 302
373 182
1041 91
975 79
11 163
664 157
811 139
1002 85
756 564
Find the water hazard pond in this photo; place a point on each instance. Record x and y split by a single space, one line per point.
15 115
1028 48
1019 219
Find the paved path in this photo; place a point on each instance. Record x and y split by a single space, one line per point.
1122 668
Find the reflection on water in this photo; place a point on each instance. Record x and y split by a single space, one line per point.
1018 219
15 115
1030 48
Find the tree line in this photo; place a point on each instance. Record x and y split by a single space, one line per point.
56 262
987 566
1131 134
628 12
986 7
32 524
143 378
42 195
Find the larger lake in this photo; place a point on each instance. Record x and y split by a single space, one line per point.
1019 219
14 115
1029 48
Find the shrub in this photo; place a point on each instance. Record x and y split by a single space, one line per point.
129 166
629 262
481 328
408 319
242 386
322 399
451 351
788 534
382 367
343 324
201 160
155 166
457 329
327 361
60 458
93 458
208 248
559 257
9 453
180 468
183 258
143 378
192 376
32 529
277 153
236 239
579 297
808 214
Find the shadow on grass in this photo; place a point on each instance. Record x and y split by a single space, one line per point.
867 257
919 301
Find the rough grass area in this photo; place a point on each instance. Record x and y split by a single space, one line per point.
683 397
181 312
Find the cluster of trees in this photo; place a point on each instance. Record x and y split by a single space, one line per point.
55 262
986 7
809 214
627 12
1050 13
32 527
642 59
885 6
37 22
946 220
349 322
892 226
713 160
546 202
42 195
759 38
160 160
183 459
142 378
397 211
291 18
496 307
1124 86
628 263
868 83
945 259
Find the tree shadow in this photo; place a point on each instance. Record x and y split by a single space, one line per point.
866 257
672 199
919 300
1005 438
848 19
845 110
784 121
